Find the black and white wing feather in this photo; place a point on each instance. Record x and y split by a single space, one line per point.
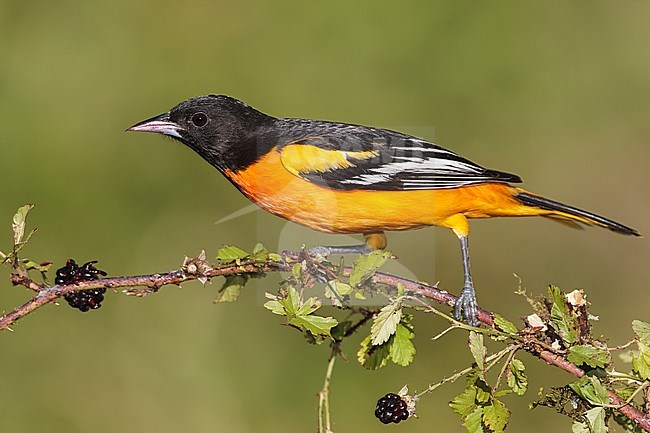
352 157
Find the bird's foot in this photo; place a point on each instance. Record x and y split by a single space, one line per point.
466 306
307 253
319 251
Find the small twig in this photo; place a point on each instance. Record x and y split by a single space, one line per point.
505 366
622 346
324 415
450 328
456 376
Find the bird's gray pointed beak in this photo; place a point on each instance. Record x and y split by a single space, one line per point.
159 124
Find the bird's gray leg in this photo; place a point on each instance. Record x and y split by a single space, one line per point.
466 303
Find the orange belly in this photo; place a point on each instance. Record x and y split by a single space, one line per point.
268 184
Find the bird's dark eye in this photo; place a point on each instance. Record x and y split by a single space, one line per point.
199 119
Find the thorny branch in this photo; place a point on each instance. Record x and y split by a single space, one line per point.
153 282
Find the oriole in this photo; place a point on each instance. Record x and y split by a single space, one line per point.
344 178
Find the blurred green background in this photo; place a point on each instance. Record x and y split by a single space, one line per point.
557 92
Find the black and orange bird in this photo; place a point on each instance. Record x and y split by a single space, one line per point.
344 178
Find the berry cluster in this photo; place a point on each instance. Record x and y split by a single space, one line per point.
71 273
391 408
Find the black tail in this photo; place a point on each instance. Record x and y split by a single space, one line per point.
566 211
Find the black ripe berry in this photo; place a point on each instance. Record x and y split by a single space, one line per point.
83 300
391 408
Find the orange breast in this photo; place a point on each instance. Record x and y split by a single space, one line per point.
268 184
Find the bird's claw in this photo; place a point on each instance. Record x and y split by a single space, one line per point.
466 306
319 251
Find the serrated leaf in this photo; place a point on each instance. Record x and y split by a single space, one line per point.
590 388
309 306
641 362
292 302
229 292
516 377
260 254
595 418
504 325
483 391
402 350
496 416
276 307
561 319
464 403
317 325
385 323
479 351
373 357
18 223
473 422
588 354
275 257
366 264
231 253
296 271
337 292
642 331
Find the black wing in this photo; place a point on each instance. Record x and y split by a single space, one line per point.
347 157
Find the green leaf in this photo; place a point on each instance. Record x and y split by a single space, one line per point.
40 267
590 389
337 292
229 292
373 357
561 319
309 306
473 422
588 354
260 254
479 351
641 362
483 391
385 323
516 377
18 224
230 253
504 325
341 288
296 271
595 418
402 350
642 331
366 264
496 416
317 325
275 257
292 302
464 403
276 307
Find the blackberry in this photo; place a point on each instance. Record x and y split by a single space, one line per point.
83 300
391 408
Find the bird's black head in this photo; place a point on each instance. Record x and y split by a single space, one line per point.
224 131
